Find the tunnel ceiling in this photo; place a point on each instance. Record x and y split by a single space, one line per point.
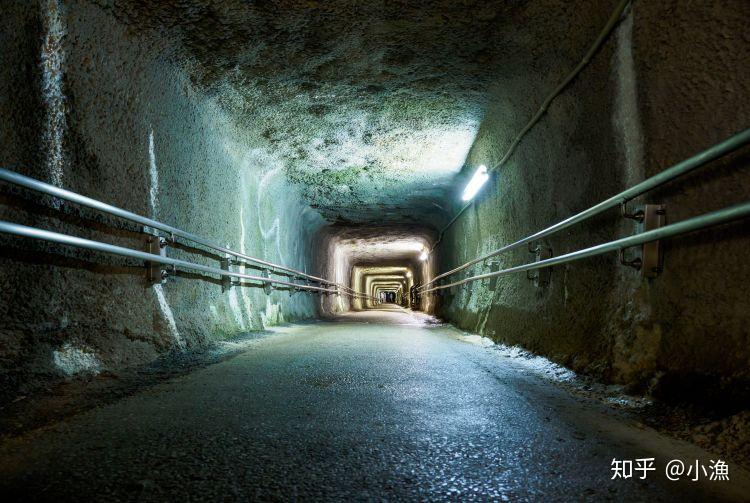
397 245
371 107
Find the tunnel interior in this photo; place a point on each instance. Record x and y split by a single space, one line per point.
344 157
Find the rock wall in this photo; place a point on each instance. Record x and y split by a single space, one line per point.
668 83
336 265
110 112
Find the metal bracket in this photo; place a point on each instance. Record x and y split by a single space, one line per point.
267 287
491 260
226 281
443 292
157 273
650 263
635 263
655 216
494 267
543 276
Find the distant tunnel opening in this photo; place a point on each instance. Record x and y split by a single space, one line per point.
385 264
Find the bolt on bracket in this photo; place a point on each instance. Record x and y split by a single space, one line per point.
655 216
157 273
635 263
543 276
650 263
267 287
638 215
227 282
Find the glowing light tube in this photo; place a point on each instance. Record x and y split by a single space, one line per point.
476 182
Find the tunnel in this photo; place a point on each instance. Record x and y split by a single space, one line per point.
394 250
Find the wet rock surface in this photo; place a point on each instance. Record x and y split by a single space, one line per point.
46 399
726 435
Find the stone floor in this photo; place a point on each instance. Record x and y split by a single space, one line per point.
374 405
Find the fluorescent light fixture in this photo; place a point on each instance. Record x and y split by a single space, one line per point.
408 274
476 182
423 256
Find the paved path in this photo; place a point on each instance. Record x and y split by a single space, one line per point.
376 405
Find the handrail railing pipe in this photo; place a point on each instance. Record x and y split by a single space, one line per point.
718 150
55 237
51 190
692 224
65 239
45 188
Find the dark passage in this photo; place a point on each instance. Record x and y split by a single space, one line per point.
374 250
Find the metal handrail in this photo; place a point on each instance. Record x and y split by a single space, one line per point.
692 224
56 237
65 239
355 293
45 188
722 148
51 190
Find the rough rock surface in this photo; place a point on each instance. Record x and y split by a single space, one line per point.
372 105
254 123
95 107
656 93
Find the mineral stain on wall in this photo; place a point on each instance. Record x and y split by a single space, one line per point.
53 61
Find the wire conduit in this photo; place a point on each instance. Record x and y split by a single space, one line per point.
612 22
682 168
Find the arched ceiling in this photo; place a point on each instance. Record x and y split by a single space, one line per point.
370 107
